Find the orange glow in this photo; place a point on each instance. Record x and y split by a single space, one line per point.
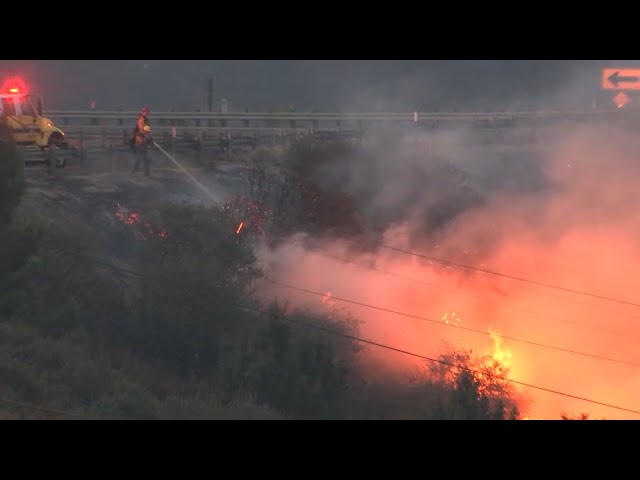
144 229
239 228
328 300
621 99
451 320
582 236
501 353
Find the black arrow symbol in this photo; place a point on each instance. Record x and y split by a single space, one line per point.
615 78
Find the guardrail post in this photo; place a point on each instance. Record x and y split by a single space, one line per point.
246 122
173 140
269 122
197 119
94 120
120 118
200 139
173 120
83 157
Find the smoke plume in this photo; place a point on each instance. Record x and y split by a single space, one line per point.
561 212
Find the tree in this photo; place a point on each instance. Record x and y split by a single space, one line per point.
581 416
11 175
305 374
195 278
476 388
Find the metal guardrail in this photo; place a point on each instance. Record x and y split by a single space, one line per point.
405 116
88 145
107 132
314 120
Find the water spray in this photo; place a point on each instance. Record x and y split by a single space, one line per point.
186 172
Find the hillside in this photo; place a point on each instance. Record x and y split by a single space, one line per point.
127 297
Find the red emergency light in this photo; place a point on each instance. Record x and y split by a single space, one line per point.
14 86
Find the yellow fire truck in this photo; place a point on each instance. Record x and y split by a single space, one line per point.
32 131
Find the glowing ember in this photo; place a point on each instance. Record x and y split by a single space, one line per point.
328 300
144 229
451 320
501 353
252 217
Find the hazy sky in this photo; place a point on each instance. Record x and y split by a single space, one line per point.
328 85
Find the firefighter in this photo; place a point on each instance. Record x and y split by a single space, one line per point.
141 141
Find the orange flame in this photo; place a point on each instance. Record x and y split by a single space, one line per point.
239 228
501 353
134 218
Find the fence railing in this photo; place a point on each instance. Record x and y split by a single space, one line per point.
295 120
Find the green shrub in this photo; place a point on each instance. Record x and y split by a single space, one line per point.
11 177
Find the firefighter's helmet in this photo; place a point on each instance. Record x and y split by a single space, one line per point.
145 111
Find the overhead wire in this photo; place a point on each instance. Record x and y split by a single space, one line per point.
450 325
504 275
406 352
480 297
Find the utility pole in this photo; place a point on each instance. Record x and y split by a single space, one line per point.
210 93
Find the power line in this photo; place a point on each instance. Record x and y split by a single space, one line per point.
443 362
101 261
426 319
388 347
42 409
395 312
435 285
520 279
489 272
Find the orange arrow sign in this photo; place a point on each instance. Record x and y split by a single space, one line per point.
621 78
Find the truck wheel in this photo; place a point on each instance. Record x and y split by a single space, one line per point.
56 144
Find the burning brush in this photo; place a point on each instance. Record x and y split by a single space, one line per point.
248 215
143 229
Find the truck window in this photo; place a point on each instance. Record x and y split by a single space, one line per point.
8 107
27 108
